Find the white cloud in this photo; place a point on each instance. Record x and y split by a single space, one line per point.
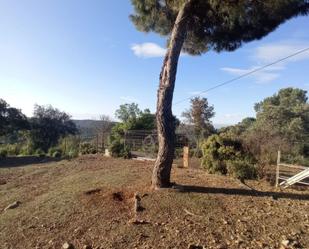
276 51
261 77
148 50
269 53
129 99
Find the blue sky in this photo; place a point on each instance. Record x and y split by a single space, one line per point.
86 57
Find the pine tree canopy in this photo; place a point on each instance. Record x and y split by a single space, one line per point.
217 24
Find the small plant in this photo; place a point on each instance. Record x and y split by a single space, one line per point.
26 151
56 154
126 153
13 149
118 149
40 153
3 152
70 147
87 148
72 153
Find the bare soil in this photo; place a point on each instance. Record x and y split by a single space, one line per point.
89 201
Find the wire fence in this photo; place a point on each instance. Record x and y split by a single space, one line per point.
145 142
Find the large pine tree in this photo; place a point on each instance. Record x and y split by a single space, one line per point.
195 27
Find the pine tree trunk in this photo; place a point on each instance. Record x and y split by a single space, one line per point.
165 120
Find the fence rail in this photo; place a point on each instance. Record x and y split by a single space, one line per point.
289 180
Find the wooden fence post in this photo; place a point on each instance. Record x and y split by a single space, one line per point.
278 168
186 157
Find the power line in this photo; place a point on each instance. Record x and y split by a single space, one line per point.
243 75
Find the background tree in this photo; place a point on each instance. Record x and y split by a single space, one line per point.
238 130
12 120
103 128
282 122
199 116
48 125
145 121
195 27
128 112
132 119
135 119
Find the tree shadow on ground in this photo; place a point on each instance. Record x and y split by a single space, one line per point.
243 192
11 162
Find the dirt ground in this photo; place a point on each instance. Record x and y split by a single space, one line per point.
89 203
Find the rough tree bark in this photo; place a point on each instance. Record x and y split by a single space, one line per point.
165 120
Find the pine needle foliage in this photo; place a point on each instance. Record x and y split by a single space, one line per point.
220 25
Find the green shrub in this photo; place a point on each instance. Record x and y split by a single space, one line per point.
56 154
87 148
3 152
70 146
126 153
241 169
72 153
13 149
40 153
226 156
26 151
118 149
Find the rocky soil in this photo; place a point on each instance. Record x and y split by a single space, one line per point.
96 202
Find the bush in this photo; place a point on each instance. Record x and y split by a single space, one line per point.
87 148
118 149
40 153
13 149
226 156
55 152
26 150
3 152
72 153
70 147
126 154
241 169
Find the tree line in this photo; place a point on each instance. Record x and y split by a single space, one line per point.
35 135
245 150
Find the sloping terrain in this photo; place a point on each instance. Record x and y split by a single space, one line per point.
89 201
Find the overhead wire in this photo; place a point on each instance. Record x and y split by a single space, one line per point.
243 75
